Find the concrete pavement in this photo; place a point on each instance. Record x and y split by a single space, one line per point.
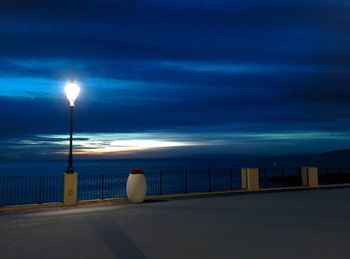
303 224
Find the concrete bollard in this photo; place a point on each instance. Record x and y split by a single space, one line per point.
250 179
309 176
136 186
70 189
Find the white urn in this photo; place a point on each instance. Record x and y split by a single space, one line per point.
136 186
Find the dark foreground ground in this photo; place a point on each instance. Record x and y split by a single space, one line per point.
304 224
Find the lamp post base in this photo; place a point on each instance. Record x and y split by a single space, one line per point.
70 189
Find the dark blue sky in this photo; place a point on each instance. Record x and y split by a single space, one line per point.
163 78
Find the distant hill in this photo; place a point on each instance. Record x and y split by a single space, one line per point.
331 158
338 154
337 158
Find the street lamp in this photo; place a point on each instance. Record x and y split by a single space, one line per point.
72 91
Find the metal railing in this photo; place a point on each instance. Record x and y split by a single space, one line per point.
16 190
189 181
328 176
102 186
280 177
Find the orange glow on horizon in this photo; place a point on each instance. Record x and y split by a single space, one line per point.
122 146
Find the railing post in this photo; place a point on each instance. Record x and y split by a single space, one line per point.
70 188
340 175
326 175
40 186
310 176
250 179
231 183
186 184
102 187
209 180
160 183
265 179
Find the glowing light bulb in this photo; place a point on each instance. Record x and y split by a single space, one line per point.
72 90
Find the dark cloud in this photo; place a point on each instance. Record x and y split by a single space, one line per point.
189 66
272 30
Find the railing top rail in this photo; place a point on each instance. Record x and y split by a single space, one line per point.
31 176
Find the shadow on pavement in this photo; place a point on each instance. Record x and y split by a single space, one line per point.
114 237
155 201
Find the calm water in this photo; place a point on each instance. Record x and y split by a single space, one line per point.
114 166
124 166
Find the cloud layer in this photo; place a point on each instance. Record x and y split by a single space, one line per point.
200 70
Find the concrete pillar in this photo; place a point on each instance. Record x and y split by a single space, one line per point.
309 176
250 179
70 189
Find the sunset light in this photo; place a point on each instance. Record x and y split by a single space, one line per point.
113 143
127 146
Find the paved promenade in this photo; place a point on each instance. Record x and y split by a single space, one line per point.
303 224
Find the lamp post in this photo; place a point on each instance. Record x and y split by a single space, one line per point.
72 91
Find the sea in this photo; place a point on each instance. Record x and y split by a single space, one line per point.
117 166
106 166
